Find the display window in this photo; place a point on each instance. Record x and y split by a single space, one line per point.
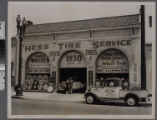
37 72
112 63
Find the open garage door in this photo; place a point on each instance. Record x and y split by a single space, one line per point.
73 65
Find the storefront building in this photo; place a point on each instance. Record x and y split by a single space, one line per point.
88 51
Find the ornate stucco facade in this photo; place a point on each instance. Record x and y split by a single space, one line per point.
94 49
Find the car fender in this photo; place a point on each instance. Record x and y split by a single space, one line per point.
95 96
90 93
132 94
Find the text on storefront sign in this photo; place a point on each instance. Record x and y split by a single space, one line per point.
98 44
29 48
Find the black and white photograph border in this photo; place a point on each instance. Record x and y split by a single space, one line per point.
71 54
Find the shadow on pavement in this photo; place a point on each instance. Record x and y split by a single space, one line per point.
118 104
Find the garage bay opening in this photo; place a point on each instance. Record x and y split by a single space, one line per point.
73 67
78 76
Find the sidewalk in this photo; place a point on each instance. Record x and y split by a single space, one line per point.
75 97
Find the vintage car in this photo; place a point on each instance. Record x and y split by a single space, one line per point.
113 89
76 86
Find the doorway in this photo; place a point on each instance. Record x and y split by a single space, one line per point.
78 76
73 66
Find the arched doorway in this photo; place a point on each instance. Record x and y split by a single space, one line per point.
73 65
37 72
112 63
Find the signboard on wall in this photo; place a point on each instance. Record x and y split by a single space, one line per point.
73 59
112 61
38 70
38 63
90 73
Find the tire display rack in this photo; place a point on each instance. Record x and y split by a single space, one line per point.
36 82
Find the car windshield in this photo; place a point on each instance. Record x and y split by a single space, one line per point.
112 83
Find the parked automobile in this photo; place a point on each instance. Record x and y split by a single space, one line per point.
115 89
76 85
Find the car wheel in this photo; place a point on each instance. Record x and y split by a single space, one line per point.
90 99
131 101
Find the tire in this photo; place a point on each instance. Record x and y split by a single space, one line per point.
29 87
40 87
45 87
24 86
90 99
50 89
29 77
131 101
40 77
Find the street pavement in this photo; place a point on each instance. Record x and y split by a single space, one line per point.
25 106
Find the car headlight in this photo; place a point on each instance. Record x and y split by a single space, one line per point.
126 85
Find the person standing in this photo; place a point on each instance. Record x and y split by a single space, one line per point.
67 86
71 85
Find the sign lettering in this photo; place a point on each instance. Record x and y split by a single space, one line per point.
38 70
69 45
29 48
38 63
98 44
54 53
91 52
112 61
73 59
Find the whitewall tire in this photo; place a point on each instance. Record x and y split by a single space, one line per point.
90 99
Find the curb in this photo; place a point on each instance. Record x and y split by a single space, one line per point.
59 100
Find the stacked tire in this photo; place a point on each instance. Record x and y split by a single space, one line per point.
41 82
